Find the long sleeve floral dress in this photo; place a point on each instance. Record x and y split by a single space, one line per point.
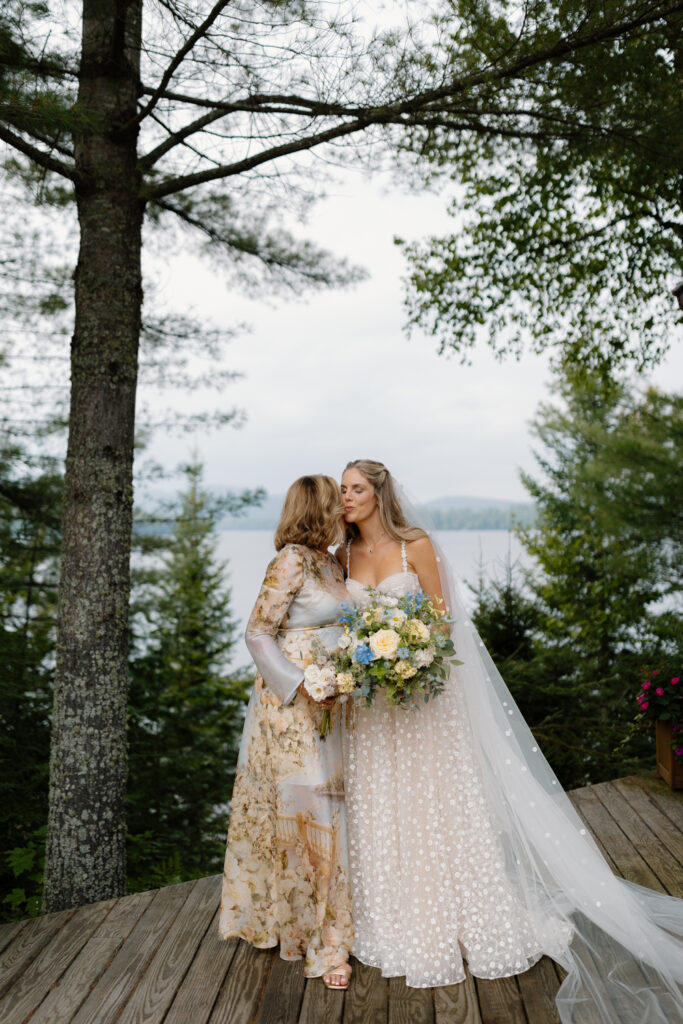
286 875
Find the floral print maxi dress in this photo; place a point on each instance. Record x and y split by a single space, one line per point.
286 876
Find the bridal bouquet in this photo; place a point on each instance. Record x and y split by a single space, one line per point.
398 644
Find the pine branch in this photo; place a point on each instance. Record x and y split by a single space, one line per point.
38 155
177 60
167 188
421 105
176 138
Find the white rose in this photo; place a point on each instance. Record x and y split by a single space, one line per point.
423 658
344 641
327 675
384 643
311 675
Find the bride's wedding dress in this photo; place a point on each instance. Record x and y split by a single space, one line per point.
427 871
462 844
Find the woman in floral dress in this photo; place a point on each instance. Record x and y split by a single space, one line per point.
286 877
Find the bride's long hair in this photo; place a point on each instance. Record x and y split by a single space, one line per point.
391 516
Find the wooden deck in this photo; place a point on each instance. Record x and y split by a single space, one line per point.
155 957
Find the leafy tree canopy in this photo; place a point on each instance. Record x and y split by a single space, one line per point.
560 121
569 205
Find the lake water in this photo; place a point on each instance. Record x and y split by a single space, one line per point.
249 551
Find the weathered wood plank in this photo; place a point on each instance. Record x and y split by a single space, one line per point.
199 988
9 932
33 937
74 986
409 1005
242 989
283 993
153 995
538 987
157 956
655 819
628 861
500 1001
29 990
321 1005
366 1000
457 1004
670 802
615 848
653 851
115 986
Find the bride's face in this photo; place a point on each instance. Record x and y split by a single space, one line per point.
358 496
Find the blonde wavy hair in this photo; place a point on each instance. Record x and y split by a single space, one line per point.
311 513
394 523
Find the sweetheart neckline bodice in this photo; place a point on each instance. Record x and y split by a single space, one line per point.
391 576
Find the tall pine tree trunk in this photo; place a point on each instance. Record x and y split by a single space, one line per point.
86 828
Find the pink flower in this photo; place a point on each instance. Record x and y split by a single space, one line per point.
645 704
659 691
655 672
678 751
675 680
646 686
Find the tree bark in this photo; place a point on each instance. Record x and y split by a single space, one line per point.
86 827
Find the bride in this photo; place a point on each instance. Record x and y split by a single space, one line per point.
462 844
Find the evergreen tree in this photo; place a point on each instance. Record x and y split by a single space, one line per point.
186 704
571 638
29 549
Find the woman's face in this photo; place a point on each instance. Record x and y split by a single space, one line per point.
358 495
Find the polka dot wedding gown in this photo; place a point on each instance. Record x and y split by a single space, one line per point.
427 873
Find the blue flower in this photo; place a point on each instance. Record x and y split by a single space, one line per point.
363 655
441 641
403 652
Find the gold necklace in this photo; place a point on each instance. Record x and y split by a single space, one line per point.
375 543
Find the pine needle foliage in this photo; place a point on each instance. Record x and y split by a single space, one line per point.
186 704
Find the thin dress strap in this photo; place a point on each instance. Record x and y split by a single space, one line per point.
348 558
404 560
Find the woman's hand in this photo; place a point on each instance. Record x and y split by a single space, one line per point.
327 703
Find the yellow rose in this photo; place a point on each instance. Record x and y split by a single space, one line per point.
345 682
384 643
418 631
405 670
372 615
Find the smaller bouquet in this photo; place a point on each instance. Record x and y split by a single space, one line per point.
322 681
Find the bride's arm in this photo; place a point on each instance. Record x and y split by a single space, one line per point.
422 558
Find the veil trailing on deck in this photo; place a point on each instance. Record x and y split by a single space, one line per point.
620 943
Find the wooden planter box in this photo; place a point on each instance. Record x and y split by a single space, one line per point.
669 767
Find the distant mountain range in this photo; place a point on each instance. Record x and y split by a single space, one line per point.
457 512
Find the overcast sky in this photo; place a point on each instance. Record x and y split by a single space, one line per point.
334 377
